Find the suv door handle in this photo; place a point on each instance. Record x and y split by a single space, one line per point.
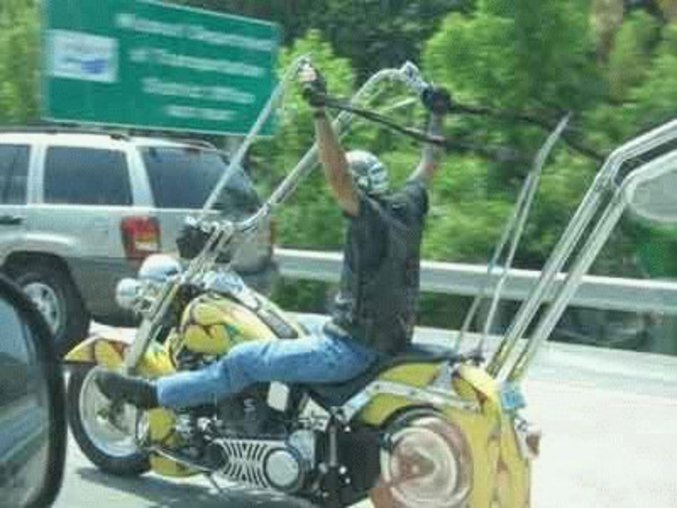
11 220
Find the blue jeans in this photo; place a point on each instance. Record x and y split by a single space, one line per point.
319 357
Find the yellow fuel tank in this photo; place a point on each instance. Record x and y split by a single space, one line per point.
213 323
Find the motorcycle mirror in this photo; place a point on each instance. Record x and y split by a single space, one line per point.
652 196
32 406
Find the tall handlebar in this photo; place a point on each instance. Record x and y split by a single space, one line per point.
591 203
266 112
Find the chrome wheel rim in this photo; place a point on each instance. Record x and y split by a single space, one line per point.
111 433
48 303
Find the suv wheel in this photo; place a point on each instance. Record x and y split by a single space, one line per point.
58 301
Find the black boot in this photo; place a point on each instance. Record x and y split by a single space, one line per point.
133 390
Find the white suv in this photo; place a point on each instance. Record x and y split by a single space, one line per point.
81 210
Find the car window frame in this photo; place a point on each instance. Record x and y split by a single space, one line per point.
46 357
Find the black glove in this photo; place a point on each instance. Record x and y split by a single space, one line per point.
192 239
437 100
313 86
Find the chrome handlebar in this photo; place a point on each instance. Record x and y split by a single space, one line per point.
226 231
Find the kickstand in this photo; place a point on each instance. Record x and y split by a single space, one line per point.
219 489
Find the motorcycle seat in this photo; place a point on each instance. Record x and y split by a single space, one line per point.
337 394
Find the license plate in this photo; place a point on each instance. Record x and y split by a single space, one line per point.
511 397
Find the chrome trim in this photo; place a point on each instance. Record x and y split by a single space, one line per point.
430 395
178 458
445 376
664 164
511 233
523 429
593 200
246 459
313 415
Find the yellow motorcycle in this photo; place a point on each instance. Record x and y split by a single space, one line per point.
434 427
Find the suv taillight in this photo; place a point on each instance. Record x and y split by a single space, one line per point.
140 236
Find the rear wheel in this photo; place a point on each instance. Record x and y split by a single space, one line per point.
103 432
427 464
57 299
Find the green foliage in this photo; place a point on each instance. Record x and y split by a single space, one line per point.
650 102
311 218
562 187
616 72
372 33
629 58
534 53
653 101
466 217
18 61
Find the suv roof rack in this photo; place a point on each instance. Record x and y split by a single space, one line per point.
114 134
195 142
60 129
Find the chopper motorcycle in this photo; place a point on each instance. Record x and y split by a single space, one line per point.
432 427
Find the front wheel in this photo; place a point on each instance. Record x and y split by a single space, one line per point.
103 432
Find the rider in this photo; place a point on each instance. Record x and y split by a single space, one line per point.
375 309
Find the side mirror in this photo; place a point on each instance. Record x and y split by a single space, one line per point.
32 406
652 197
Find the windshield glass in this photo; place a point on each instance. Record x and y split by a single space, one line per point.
184 177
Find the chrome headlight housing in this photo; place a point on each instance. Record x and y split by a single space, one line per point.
128 293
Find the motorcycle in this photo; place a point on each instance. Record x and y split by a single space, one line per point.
432 427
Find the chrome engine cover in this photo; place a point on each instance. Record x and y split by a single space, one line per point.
269 464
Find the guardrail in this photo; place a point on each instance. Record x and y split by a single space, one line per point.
609 293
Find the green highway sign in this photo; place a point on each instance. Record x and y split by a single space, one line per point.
147 64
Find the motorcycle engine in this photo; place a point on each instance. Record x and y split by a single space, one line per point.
247 441
247 415
280 464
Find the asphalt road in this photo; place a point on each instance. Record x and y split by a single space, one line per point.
610 440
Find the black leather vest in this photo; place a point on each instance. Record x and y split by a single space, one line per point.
377 305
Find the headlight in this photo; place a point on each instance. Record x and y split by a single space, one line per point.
127 293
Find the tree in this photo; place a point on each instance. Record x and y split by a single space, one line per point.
372 34
19 42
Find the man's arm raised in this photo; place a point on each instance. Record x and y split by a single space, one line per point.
335 164
438 102
331 153
432 153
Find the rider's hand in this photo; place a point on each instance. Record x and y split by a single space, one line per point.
313 86
192 239
437 100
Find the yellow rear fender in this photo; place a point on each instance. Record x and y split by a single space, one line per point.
500 474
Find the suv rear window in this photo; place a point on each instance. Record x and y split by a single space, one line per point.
13 173
184 177
86 176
